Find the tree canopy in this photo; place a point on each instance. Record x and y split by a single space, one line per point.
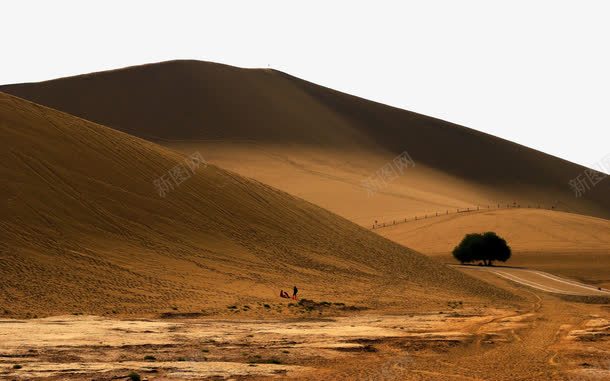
485 247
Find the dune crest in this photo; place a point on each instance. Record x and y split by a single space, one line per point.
315 142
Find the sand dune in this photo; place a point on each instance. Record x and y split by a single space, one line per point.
84 230
320 145
315 142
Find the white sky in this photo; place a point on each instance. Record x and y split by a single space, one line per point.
534 72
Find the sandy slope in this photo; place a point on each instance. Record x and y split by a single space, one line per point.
315 142
568 244
525 229
83 230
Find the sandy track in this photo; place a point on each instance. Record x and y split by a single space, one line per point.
542 281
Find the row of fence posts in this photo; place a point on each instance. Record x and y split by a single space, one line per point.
458 210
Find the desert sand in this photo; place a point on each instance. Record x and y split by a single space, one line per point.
315 142
324 146
545 339
265 176
85 231
568 244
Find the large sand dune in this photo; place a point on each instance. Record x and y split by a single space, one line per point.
84 230
315 142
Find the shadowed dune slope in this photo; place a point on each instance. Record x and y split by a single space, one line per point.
315 142
83 230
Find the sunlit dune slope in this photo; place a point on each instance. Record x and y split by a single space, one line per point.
84 230
315 142
570 244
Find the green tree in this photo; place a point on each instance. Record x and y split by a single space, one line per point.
486 247
464 252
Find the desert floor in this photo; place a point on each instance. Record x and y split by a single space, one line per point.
549 337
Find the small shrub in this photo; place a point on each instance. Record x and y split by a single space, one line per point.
133 376
17 366
149 358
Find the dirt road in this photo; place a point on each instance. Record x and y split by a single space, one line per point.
542 281
547 339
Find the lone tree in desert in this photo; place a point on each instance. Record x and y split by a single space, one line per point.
486 247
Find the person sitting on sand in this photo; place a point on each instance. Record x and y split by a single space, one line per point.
295 290
284 294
